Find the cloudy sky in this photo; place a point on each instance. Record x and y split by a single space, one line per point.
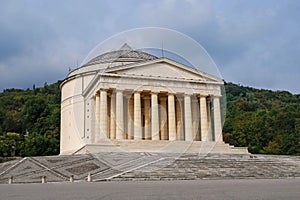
254 43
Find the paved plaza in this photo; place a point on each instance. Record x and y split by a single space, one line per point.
178 189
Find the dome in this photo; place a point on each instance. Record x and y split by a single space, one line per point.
124 54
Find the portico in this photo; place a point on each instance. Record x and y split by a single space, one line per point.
153 115
129 95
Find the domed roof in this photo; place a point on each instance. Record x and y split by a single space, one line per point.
124 54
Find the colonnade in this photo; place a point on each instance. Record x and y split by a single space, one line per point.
147 115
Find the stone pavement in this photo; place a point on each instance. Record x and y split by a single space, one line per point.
236 189
125 166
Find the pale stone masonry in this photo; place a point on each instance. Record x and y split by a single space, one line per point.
132 95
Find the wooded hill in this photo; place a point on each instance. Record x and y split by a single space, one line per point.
265 121
30 121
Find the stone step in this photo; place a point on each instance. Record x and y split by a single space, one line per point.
190 169
128 166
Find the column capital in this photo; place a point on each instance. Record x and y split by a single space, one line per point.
137 91
188 94
154 92
171 93
202 95
119 90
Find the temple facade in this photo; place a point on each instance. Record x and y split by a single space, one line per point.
134 96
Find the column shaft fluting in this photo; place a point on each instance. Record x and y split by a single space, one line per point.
96 134
137 116
119 115
147 118
210 132
130 118
171 117
203 119
125 120
163 119
188 118
179 119
103 114
154 117
108 114
217 120
195 119
113 116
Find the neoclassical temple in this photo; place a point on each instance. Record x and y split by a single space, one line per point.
131 97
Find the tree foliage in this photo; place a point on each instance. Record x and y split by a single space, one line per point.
30 121
264 121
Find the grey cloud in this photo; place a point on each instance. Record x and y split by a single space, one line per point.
253 42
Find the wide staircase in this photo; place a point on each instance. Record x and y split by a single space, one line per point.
141 166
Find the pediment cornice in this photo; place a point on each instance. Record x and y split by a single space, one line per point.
124 68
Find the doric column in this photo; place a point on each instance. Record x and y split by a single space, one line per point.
137 116
96 134
208 102
103 114
179 119
113 116
154 117
203 119
171 117
119 115
188 118
108 114
125 114
147 118
195 118
217 120
130 117
163 118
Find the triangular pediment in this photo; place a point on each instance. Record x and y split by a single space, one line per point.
162 68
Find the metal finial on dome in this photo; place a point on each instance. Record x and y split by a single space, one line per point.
126 47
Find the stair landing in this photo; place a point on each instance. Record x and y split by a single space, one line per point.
161 146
